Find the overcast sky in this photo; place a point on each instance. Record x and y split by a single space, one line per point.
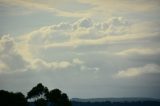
86 48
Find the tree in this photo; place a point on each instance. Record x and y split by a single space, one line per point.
65 100
54 96
59 98
20 98
12 99
38 91
41 102
40 96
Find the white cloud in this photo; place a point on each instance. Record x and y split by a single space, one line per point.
87 32
10 58
58 42
47 6
94 69
62 26
42 65
83 23
137 71
82 32
139 51
77 61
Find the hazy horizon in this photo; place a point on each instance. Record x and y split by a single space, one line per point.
86 48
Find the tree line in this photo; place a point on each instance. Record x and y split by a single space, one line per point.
37 96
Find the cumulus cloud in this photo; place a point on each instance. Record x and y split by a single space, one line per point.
10 58
118 26
82 32
87 32
42 65
83 23
62 26
137 71
47 35
47 40
75 63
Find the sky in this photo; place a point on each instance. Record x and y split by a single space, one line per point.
86 48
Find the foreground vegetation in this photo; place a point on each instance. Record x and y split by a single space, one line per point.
37 96
41 96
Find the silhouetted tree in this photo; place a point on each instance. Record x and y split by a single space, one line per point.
41 102
46 92
59 98
54 96
65 100
12 99
40 94
37 91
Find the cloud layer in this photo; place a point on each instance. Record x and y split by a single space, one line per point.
81 46
137 71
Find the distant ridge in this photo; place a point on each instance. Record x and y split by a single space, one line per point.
129 99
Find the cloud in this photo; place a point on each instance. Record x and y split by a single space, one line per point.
95 69
62 26
78 61
82 32
10 58
138 71
126 5
60 42
95 39
3 67
83 23
139 51
42 65
48 34
47 6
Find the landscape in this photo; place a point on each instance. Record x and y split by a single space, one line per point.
79 52
41 96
